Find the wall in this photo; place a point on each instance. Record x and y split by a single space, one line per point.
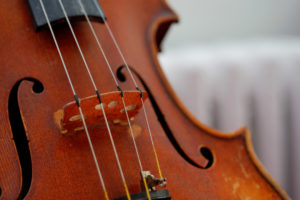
217 21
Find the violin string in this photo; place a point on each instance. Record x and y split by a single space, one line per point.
97 40
141 98
130 73
136 150
122 96
77 101
100 101
118 86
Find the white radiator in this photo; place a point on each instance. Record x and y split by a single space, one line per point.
255 84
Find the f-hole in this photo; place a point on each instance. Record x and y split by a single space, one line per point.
208 155
205 152
19 134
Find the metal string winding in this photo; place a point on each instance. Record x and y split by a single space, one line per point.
117 84
137 87
122 97
99 98
77 101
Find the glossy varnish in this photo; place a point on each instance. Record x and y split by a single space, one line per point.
61 167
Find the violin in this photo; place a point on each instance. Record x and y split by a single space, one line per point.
87 113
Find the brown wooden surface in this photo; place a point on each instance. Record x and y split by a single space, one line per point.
69 121
62 166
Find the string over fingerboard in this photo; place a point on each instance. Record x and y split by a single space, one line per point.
56 15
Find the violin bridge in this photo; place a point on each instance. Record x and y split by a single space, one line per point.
69 120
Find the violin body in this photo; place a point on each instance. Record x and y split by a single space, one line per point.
38 162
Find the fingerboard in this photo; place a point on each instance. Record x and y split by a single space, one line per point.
56 15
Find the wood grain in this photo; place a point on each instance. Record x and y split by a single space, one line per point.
62 166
